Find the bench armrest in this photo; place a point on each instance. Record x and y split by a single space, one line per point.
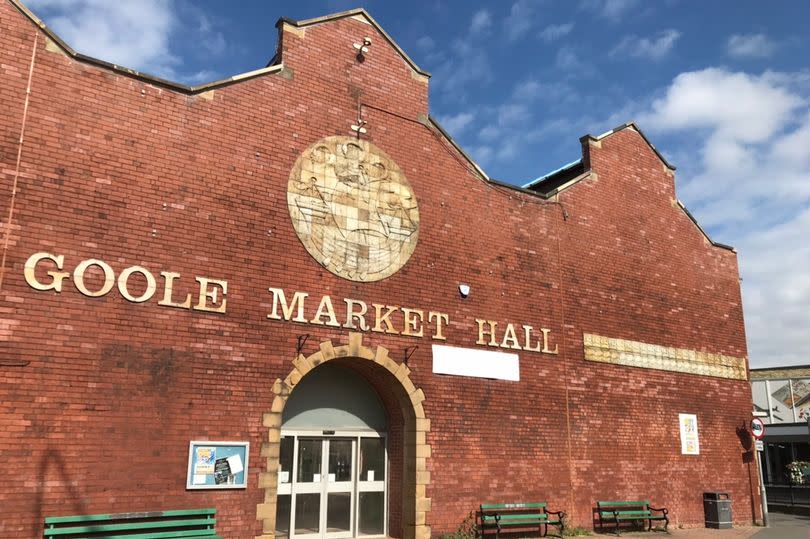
558 513
663 509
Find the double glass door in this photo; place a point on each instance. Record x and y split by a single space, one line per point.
331 487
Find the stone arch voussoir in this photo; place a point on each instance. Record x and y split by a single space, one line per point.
417 450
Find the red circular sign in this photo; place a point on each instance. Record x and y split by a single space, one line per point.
757 428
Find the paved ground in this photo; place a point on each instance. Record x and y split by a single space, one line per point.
697 533
782 526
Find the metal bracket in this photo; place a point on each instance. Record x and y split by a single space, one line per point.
302 340
409 350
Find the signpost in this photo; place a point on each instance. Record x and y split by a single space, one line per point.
757 428
758 432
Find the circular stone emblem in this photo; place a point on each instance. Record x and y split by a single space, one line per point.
353 209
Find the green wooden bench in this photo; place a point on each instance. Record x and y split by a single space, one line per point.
616 512
519 517
188 523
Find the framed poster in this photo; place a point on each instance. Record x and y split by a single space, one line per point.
689 434
217 464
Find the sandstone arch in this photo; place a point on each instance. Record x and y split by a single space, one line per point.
416 450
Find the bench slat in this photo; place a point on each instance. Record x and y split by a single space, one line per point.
96 528
511 517
179 523
525 522
614 511
538 505
122 516
189 534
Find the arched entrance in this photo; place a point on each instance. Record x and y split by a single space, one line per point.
400 435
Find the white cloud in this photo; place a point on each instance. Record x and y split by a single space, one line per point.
555 31
749 184
211 40
733 104
568 60
654 48
425 43
613 10
512 129
456 124
776 291
133 33
200 77
528 90
466 63
556 91
431 54
481 21
519 20
750 46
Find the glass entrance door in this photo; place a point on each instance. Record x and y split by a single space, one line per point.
331 487
339 487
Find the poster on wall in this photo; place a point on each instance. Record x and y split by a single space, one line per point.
689 434
217 464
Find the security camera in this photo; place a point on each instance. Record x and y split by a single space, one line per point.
464 290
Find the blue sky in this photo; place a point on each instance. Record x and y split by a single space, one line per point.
722 88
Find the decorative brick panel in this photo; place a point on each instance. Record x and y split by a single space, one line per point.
665 358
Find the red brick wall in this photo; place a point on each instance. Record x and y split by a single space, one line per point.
121 170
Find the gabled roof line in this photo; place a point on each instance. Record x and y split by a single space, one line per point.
485 177
636 128
458 148
353 13
705 234
158 81
567 166
588 174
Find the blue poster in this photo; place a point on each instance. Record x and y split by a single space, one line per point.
217 465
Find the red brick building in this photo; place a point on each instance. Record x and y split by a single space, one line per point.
300 259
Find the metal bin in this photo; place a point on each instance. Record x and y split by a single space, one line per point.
717 509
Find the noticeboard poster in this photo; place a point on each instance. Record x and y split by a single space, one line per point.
217 465
689 434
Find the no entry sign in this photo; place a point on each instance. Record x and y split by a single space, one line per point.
757 428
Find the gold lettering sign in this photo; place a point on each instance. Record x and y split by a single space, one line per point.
353 209
354 314
359 315
212 292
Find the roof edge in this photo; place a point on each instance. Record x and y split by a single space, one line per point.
483 175
779 368
134 73
458 148
353 13
587 174
633 125
702 231
567 166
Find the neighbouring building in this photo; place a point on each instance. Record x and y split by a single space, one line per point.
290 296
782 399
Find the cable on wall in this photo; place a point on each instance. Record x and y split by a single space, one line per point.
19 159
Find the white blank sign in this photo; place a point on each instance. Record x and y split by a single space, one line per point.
476 363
